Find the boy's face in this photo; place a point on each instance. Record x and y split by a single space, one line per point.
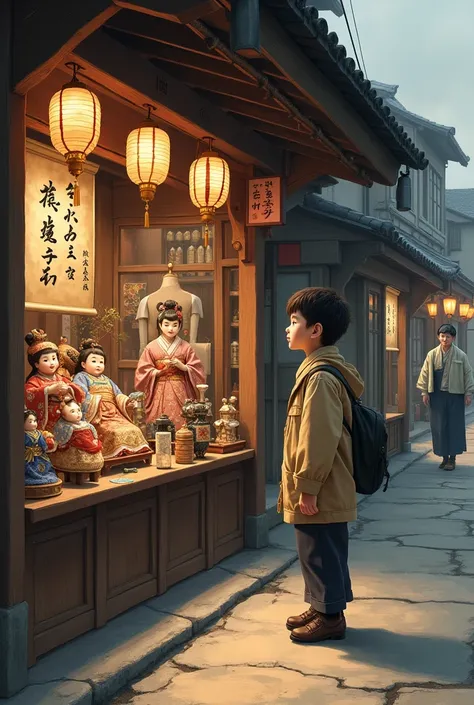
300 337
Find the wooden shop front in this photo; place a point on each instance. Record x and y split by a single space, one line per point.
298 111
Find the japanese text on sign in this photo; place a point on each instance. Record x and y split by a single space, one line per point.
59 252
391 320
264 202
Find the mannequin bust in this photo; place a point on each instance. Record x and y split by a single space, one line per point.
170 289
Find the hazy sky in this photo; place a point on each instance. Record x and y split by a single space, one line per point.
426 48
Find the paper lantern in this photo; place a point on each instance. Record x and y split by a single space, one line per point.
470 313
449 305
74 124
209 181
464 310
432 307
148 159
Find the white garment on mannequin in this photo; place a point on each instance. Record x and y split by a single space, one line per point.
147 313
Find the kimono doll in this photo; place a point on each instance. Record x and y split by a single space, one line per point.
38 467
106 407
78 448
169 369
45 389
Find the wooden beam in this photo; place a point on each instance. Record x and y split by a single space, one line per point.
46 32
184 10
114 66
303 171
293 63
159 30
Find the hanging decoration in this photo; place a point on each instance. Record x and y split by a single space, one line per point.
464 310
209 182
470 313
148 159
74 124
432 307
449 305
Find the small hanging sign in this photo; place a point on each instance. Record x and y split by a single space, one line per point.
265 203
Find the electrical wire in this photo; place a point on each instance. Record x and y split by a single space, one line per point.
350 35
358 39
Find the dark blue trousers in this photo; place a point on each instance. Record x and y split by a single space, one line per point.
323 552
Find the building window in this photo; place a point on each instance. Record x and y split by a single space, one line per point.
432 191
454 236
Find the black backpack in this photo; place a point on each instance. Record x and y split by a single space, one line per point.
369 441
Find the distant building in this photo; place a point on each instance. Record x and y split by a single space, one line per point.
460 240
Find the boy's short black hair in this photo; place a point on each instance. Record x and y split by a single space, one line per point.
324 306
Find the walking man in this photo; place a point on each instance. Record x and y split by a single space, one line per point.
447 384
318 491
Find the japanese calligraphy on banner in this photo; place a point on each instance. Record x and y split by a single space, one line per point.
59 238
265 202
391 319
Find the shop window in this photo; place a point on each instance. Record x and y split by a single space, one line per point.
373 390
143 256
391 351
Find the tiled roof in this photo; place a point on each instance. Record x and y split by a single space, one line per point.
451 147
461 200
386 231
312 34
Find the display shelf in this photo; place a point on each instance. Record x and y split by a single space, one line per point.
90 494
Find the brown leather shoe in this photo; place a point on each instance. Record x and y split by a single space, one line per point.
320 629
450 465
300 620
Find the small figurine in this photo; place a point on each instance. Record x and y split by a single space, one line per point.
68 357
45 388
40 479
227 439
169 370
106 407
78 454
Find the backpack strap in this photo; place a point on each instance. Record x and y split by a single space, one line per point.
338 375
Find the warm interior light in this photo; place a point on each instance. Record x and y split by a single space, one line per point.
148 159
449 305
432 307
209 182
470 313
74 124
463 310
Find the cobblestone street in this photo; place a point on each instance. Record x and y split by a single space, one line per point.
410 628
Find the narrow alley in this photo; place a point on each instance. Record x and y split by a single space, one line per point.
411 626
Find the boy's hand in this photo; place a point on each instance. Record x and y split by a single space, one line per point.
308 504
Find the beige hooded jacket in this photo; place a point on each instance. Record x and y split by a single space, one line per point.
317 452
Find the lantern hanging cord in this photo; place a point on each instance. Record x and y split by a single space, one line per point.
314 130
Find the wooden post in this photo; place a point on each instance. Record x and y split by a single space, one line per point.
251 385
13 611
404 369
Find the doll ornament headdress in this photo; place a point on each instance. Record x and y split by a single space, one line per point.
36 340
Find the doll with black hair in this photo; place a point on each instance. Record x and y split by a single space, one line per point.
39 472
106 407
169 370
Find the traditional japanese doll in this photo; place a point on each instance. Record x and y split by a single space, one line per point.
45 389
169 369
38 467
68 357
78 447
106 407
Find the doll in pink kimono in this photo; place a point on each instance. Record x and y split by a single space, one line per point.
169 369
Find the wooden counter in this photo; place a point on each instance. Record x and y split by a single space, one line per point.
99 549
92 493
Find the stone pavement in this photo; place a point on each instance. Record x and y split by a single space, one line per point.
410 639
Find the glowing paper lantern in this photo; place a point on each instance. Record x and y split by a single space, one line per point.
449 305
209 181
74 124
432 307
464 310
148 159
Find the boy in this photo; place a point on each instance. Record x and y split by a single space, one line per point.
318 491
